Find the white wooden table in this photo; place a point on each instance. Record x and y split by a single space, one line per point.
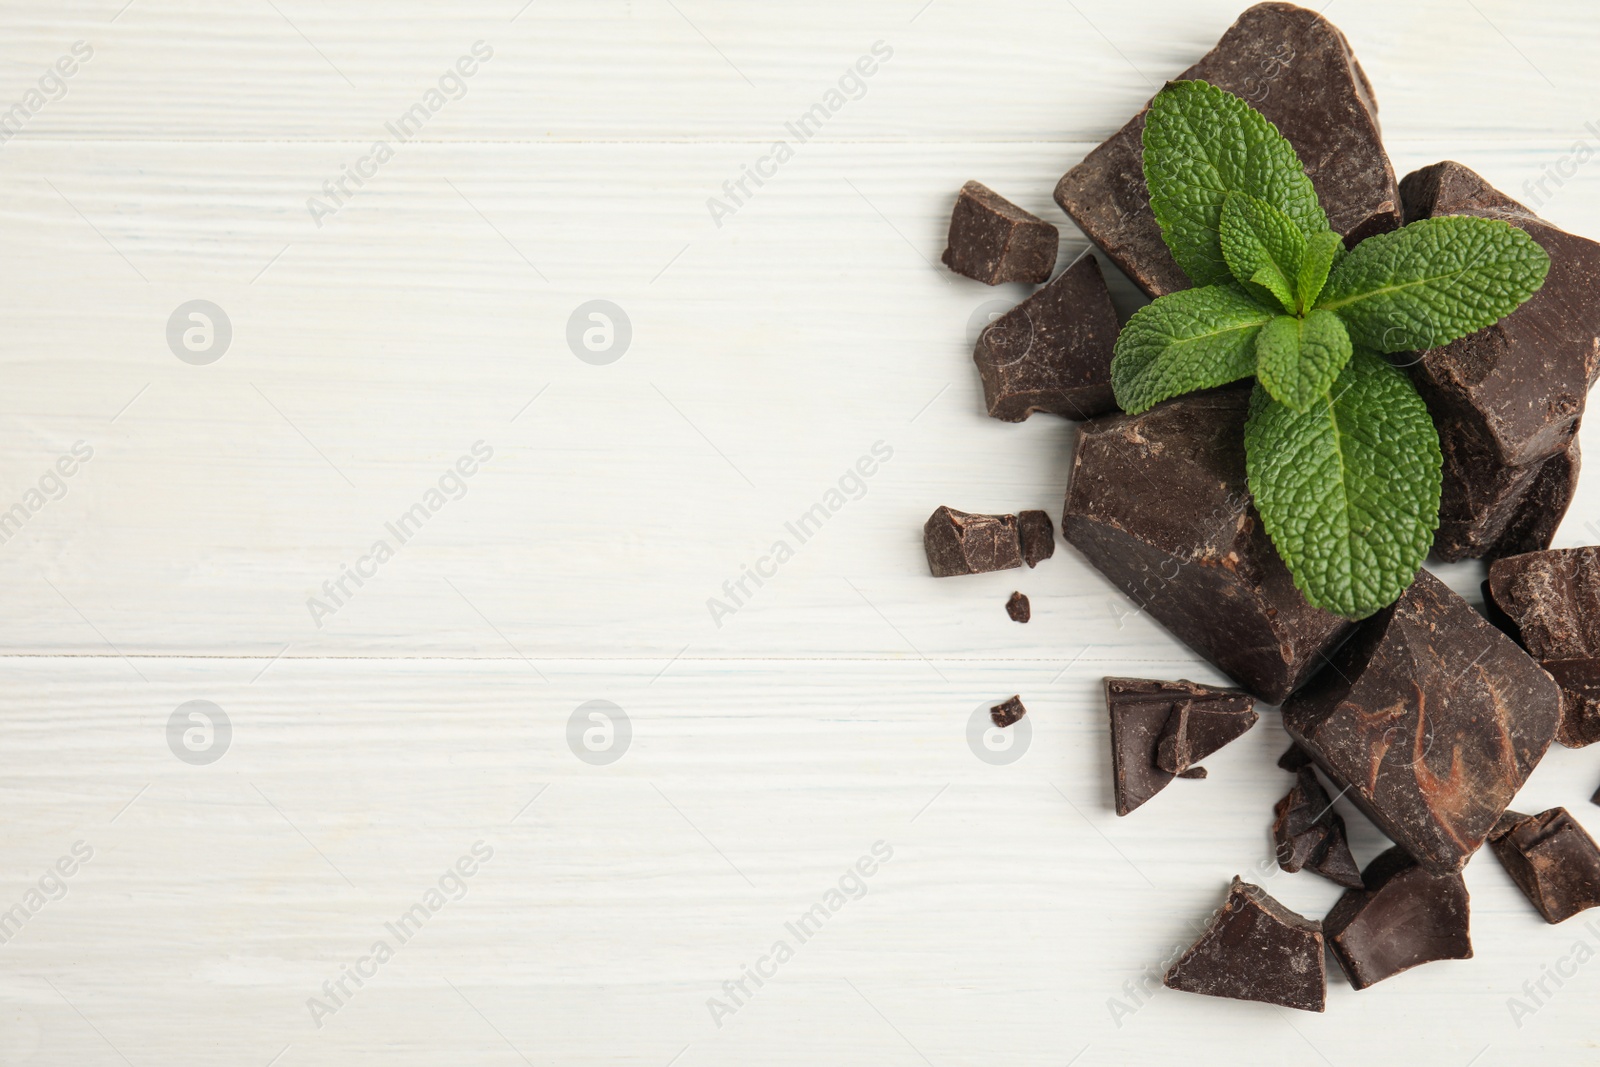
755 758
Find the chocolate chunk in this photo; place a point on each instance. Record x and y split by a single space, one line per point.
1197 728
1018 608
1007 711
1255 949
1517 388
1296 68
1552 859
1140 709
1552 600
993 240
959 543
1038 536
1310 834
1543 505
1429 719
1294 757
1479 495
1158 503
1052 352
1396 917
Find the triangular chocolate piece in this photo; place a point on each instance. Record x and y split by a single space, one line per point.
1197 728
1139 709
1337 863
1255 949
1400 917
1294 757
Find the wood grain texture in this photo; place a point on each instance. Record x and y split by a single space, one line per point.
769 354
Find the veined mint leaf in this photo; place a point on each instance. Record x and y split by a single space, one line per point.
1298 359
1262 247
1323 251
1200 143
1188 340
1433 281
1349 491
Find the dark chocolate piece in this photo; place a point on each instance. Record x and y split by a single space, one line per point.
1197 728
959 543
1038 536
1552 859
1297 69
1518 386
1430 720
1007 711
1140 709
1018 608
1543 505
1255 949
1294 757
993 240
1396 917
1158 503
1552 599
1052 352
1479 496
1310 835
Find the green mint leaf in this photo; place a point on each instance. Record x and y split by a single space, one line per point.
1298 359
1200 143
1262 247
1188 340
1433 281
1323 251
1349 491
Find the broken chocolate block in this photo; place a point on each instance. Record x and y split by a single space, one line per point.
1516 387
1018 608
1552 600
1197 728
993 240
1158 503
1543 505
1052 352
959 543
1552 859
1038 536
1430 720
1294 757
1007 712
1310 834
1255 949
1296 68
1396 917
1140 710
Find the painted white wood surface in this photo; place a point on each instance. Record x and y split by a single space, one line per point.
768 355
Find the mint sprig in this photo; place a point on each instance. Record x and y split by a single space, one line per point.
1341 454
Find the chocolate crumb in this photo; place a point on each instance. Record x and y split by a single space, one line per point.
1017 607
1007 712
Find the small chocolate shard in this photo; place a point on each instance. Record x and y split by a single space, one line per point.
1197 728
1038 536
1255 949
1158 502
1552 602
1398 916
1310 835
1518 386
1052 352
993 240
1018 608
1297 69
1430 720
1294 757
1140 709
962 543
1007 711
1552 859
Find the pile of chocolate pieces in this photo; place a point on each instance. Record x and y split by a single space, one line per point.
1428 716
